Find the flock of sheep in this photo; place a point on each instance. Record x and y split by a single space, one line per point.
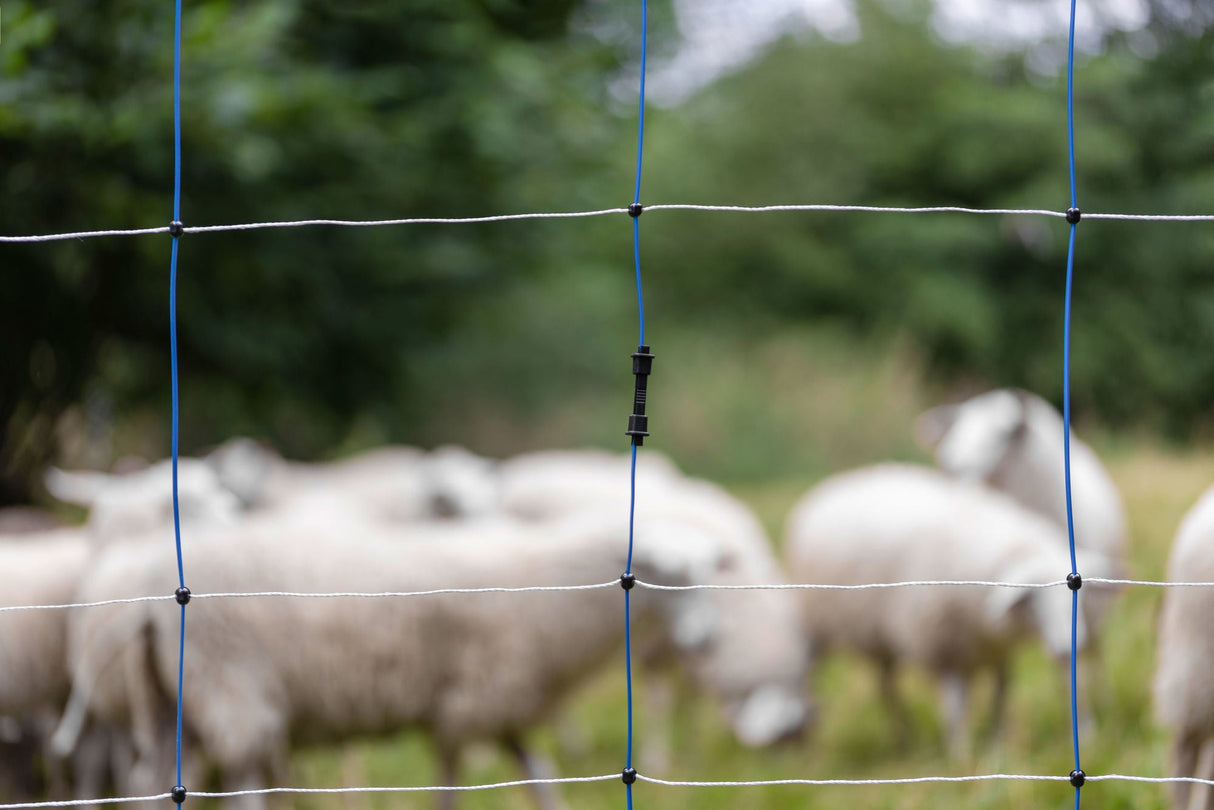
91 693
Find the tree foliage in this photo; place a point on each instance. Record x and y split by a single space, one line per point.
299 109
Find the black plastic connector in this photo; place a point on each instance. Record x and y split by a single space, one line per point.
178 794
635 210
629 776
176 229
1073 215
638 422
1078 777
183 595
628 580
1074 581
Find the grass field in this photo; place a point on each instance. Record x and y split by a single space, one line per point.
853 737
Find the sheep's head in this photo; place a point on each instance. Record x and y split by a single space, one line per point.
972 438
746 647
758 666
1043 611
124 506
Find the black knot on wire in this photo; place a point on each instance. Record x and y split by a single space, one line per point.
1073 215
183 595
1078 777
629 776
628 580
635 210
178 794
1074 581
176 229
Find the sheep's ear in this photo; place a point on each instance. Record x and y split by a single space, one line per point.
932 425
80 487
1025 400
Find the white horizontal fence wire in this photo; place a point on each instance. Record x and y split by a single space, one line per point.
910 780
354 223
781 586
101 603
913 780
79 802
319 595
868 586
384 594
280 790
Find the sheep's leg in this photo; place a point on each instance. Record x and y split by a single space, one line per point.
120 761
953 699
1202 796
1089 681
659 696
1184 763
894 703
999 702
90 762
448 767
246 777
353 772
534 767
1083 703
55 771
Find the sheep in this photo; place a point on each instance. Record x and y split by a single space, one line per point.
544 483
761 671
45 568
38 568
1184 695
263 672
394 484
1012 439
897 522
131 504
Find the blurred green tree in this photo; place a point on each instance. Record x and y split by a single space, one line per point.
291 109
298 109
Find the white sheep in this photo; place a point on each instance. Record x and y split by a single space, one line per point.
132 504
46 568
545 483
1012 440
393 484
759 669
39 568
1184 692
263 672
896 522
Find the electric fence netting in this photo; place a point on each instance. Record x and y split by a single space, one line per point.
637 431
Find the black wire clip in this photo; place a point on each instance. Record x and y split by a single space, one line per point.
638 422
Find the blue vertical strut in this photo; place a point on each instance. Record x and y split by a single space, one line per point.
636 254
1066 385
173 353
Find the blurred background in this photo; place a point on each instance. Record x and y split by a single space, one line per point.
786 342
789 345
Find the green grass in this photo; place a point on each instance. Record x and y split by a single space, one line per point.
853 736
